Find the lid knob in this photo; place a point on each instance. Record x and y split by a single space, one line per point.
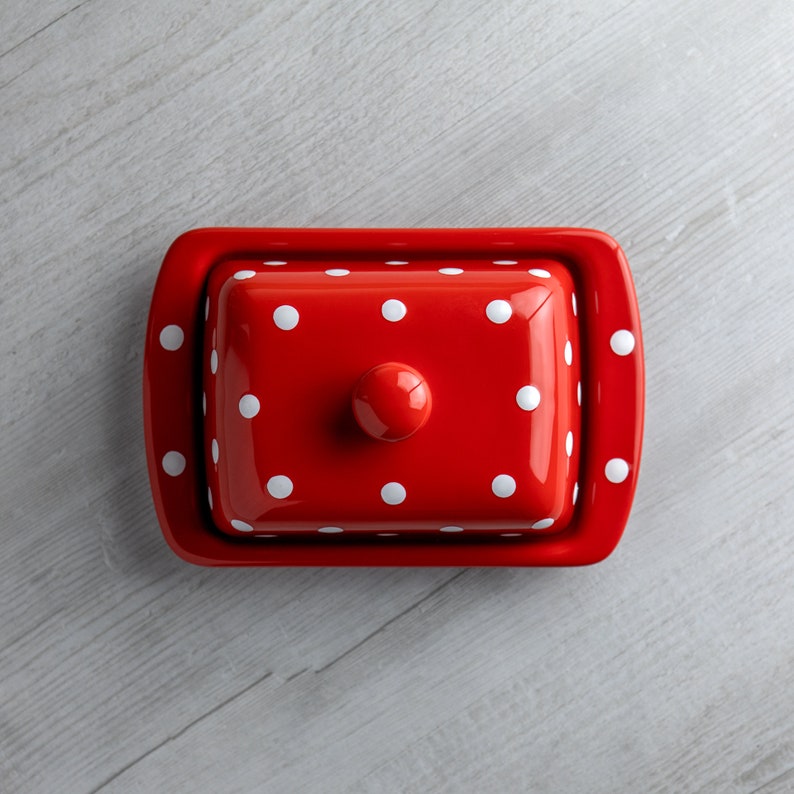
391 401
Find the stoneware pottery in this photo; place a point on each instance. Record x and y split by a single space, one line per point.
393 396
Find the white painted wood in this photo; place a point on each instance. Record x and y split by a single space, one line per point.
670 667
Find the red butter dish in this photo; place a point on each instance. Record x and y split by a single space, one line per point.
393 397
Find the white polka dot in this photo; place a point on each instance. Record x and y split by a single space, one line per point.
204 403
622 342
393 493
173 463
249 406
331 530
215 450
171 337
214 361
528 398
579 392
207 308
286 317
387 534
539 272
450 271
503 485
274 262
499 311
397 262
505 262
451 529
241 526
616 470
568 353
511 534
575 493
209 497
573 303
241 275
569 444
544 523
279 486
337 271
393 310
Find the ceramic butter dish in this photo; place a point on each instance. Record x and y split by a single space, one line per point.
393 397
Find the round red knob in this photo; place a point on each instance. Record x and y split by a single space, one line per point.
391 401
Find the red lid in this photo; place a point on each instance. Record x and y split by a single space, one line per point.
451 401
288 348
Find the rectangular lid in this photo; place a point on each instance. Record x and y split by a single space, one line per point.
289 348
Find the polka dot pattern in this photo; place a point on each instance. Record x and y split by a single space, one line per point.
393 493
286 317
622 342
279 486
249 406
174 463
616 470
526 402
503 486
393 310
274 262
499 311
172 337
528 398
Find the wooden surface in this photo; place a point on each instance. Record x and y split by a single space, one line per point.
670 667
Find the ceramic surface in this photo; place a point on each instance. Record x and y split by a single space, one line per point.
454 397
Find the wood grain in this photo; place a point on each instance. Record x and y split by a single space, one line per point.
668 668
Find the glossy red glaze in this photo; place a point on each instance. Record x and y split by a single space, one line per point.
391 401
296 340
488 314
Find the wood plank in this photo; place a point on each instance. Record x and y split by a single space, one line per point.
669 667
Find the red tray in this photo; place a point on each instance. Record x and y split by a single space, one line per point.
393 397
